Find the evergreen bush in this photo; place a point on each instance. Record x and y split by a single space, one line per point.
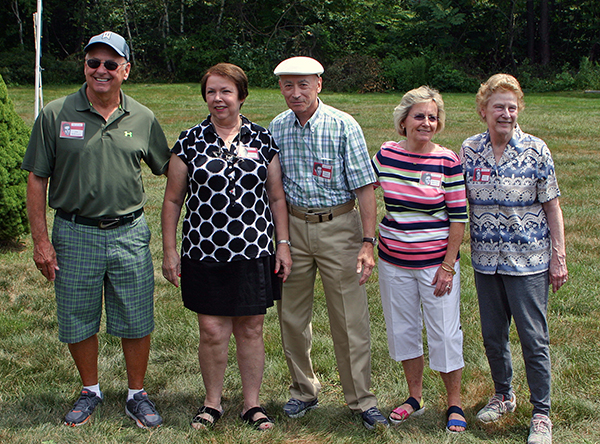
14 135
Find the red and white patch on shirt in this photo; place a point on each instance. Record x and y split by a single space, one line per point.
431 179
323 170
482 174
72 130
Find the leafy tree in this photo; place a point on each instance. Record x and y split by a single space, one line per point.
14 135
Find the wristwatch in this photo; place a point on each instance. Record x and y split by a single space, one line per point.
371 240
284 241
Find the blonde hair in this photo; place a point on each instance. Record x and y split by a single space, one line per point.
496 83
421 94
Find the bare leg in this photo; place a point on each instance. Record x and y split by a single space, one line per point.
215 332
136 352
85 355
248 332
452 383
413 370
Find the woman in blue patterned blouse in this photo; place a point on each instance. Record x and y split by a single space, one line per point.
517 247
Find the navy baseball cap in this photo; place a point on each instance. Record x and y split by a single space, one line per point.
112 39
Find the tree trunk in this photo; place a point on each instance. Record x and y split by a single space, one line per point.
545 32
15 9
167 23
166 31
511 34
530 31
221 14
129 39
181 16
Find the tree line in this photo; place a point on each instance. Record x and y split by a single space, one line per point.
365 45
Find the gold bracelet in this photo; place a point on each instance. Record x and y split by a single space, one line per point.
449 269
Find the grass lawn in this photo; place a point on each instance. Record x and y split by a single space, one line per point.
40 383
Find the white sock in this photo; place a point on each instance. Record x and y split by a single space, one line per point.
133 392
93 388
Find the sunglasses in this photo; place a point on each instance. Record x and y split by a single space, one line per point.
110 65
421 117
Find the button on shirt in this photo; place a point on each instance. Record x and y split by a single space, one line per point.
324 160
509 229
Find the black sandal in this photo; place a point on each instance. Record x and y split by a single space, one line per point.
204 423
247 418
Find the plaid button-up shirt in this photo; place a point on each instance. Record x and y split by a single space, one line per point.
324 160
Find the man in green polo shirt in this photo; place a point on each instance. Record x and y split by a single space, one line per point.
84 156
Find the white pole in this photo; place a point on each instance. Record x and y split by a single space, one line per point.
37 27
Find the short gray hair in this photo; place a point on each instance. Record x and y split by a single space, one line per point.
421 94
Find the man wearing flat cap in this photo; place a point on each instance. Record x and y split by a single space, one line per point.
84 156
326 167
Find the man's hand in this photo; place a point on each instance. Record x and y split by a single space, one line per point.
365 262
44 257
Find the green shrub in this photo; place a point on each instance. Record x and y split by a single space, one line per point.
356 73
14 135
406 74
447 78
588 76
17 67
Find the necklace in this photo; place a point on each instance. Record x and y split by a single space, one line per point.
414 154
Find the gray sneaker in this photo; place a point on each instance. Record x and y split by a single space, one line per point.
82 409
372 418
143 411
295 408
497 407
540 431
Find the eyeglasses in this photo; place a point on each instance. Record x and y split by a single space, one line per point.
421 117
110 65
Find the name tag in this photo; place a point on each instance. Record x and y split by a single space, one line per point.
72 130
431 179
252 152
323 170
482 174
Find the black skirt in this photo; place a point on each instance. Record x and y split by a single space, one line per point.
237 288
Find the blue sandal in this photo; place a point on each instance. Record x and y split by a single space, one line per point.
455 422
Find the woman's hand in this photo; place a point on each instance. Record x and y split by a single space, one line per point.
171 267
442 280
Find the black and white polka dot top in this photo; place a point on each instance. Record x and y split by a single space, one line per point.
227 208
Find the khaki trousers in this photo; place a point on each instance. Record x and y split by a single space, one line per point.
332 247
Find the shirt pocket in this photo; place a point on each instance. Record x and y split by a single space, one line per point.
328 173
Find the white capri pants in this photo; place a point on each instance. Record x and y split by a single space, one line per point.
403 292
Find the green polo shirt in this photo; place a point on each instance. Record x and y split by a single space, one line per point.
94 166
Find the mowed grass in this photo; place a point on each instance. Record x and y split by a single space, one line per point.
39 381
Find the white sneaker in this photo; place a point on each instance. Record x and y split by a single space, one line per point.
540 431
497 407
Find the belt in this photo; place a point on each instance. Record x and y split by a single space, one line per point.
317 215
104 223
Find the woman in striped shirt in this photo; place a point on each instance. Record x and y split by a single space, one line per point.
419 241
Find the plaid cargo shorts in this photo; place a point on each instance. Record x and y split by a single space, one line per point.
91 260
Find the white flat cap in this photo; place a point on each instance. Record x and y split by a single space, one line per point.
299 66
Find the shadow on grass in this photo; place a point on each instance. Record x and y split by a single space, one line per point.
11 246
